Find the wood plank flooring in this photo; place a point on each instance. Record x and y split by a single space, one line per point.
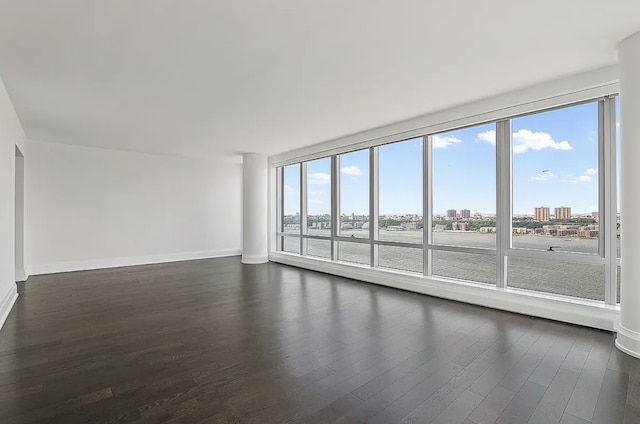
215 341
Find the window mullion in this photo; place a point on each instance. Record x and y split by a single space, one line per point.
303 208
427 202
373 204
279 206
503 199
335 205
608 196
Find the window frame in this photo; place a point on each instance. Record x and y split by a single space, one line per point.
607 195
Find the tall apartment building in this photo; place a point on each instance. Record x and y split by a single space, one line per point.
541 213
563 212
465 213
451 214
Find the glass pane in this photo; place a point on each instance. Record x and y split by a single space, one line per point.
555 180
291 199
358 253
576 280
464 266
318 248
464 187
618 170
484 237
319 197
402 258
354 194
400 191
291 244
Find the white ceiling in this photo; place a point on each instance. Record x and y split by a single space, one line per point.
210 77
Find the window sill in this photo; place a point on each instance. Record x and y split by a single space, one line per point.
556 307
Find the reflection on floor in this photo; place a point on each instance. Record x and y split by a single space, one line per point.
216 341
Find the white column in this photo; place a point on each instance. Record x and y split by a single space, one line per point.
254 209
628 339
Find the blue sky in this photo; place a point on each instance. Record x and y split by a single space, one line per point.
555 164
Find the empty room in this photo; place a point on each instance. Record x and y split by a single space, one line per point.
300 211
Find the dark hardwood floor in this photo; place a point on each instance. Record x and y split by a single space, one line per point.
214 341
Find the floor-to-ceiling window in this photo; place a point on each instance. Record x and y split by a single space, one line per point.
317 236
556 202
525 203
353 231
400 230
291 208
463 204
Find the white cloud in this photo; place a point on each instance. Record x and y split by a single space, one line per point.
524 140
440 142
617 124
575 180
289 189
319 178
544 176
487 137
352 170
586 176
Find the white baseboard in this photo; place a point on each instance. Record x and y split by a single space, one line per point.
7 302
254 259
628 341
21 275
57 267
573 311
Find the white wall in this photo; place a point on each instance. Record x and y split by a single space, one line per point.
11 135
92 208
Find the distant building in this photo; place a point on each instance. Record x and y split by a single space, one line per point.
563 212
561 230
590 231
520 230
595 215
487 230
459 226
452 214
465 213
541 213
439 227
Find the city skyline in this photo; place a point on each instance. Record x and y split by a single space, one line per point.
471 215
554 162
